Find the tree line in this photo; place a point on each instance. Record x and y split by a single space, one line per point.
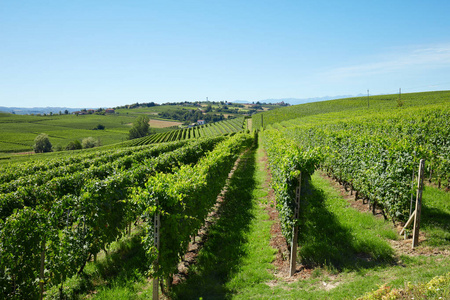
42 144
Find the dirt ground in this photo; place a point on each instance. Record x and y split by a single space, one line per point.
24 153
278 241
163 124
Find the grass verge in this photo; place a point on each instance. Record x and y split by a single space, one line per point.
339 237
435 218
236 253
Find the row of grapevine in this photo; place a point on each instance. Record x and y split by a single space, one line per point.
44 187
377 155
183 200
13 171
207 130
77 160
59 236
286 161
101 158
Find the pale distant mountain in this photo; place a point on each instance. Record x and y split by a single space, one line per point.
36 110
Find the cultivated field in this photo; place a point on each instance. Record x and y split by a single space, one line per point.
163 124
19 131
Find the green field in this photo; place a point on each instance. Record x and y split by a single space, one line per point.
19 131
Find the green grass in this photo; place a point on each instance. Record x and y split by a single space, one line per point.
337 236
435 218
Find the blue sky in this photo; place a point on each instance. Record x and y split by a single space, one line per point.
108 53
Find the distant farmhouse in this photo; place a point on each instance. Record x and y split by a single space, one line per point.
80 112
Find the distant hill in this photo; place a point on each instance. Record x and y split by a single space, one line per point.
36 110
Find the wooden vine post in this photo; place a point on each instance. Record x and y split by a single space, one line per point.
418 204
293 260
41 273
156 236
415 216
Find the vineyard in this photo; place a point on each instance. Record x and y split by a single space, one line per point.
375 155
83 204
207 130
57 215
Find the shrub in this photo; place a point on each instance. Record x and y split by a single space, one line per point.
58 148
89 142
42 144
140 128
74 145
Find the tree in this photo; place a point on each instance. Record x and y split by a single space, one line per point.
42 144
140 128
58 148
89 142
74 145
66 112
99 127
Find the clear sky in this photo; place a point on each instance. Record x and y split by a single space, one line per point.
102 53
